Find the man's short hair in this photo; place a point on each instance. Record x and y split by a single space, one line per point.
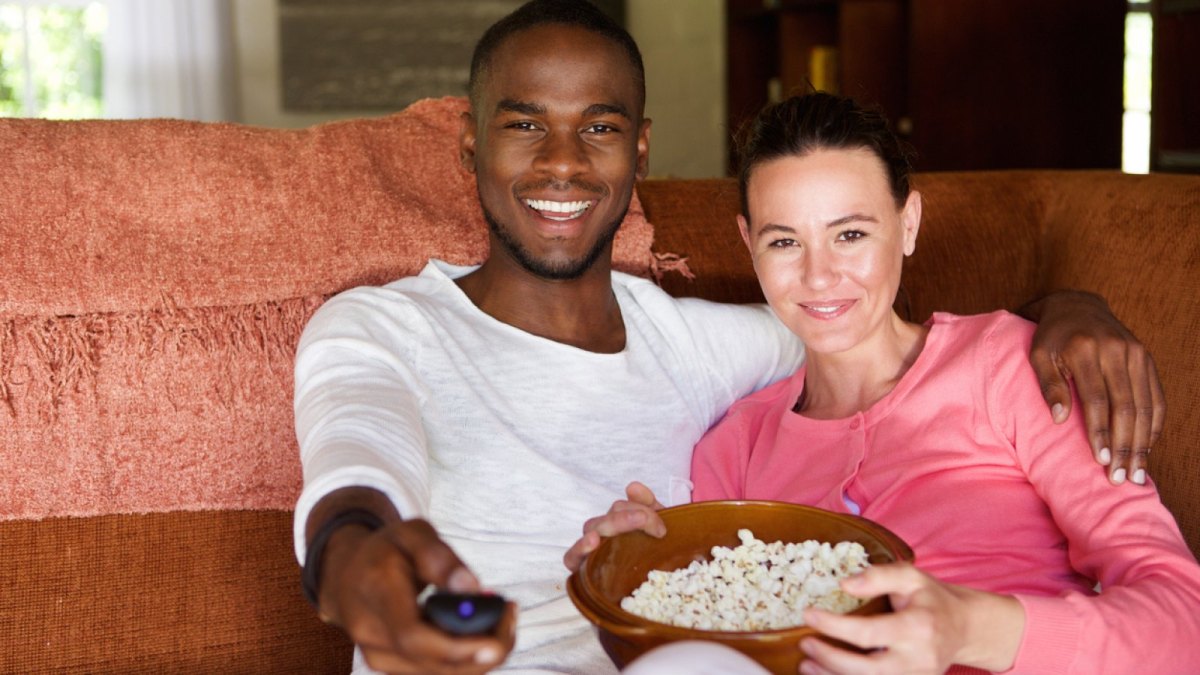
543 12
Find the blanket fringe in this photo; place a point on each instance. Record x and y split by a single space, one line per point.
46 360
662 263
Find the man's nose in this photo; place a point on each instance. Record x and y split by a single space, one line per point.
562 155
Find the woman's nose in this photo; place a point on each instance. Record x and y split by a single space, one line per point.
818 269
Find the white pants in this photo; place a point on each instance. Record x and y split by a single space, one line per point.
694 658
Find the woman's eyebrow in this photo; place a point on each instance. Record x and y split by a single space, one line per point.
775 227
852 218
838 222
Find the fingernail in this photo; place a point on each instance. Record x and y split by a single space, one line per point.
1057 412
1118 476
461 580
1139 477
486 655
1105 456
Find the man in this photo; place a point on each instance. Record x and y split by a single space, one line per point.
473 419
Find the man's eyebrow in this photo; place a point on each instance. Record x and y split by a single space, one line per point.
525 108
607 109
521 107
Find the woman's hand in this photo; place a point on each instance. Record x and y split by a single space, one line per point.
933 626
637 512
1079 339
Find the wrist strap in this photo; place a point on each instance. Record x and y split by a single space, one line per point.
310 575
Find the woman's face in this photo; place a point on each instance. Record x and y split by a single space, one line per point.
828 242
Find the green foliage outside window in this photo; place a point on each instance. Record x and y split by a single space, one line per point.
63 58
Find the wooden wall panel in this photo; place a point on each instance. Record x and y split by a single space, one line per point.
1002 84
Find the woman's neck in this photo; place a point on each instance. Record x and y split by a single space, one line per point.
840 384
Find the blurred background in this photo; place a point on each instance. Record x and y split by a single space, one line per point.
973 84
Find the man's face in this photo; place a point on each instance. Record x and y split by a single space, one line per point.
556 143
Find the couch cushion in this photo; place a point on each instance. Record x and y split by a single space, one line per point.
212 592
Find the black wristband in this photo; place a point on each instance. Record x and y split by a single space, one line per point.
310 575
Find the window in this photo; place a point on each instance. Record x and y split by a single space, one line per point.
1135 136
51 58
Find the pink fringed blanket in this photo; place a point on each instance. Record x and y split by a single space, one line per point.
157 275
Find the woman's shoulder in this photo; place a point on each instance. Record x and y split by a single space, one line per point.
1000 320
1000 330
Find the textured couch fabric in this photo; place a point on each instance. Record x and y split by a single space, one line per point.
157 275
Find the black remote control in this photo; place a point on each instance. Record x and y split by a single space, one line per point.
464 613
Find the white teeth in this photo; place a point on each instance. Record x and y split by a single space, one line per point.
824 310
564 208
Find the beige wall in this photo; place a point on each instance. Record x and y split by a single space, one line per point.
256 34
683 47
682 44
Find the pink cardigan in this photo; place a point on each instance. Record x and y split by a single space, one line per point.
963 461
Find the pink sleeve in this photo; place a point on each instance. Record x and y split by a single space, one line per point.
1147 617
719 461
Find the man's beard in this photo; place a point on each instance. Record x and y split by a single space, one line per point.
557 271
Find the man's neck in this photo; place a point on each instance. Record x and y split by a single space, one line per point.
580 312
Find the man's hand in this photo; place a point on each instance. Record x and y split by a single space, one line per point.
1079 339
369 585
638 512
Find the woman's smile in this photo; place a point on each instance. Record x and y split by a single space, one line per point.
827 311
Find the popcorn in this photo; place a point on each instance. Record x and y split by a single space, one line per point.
754 586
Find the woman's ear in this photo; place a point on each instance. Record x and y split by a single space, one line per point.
744 227
910 220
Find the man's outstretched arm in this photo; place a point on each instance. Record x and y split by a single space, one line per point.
1078 339
370 567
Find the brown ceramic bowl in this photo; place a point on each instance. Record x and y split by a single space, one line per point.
621 564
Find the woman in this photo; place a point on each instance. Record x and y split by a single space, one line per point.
937 431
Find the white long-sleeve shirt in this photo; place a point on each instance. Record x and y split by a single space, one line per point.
507 442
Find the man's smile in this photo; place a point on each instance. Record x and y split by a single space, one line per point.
555 210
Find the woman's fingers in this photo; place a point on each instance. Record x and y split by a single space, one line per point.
640 494
574 556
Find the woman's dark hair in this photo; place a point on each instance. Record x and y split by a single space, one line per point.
803 124
536 13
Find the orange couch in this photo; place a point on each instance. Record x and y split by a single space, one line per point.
157 275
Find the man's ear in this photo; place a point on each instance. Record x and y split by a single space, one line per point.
643 149
466 141
910 220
